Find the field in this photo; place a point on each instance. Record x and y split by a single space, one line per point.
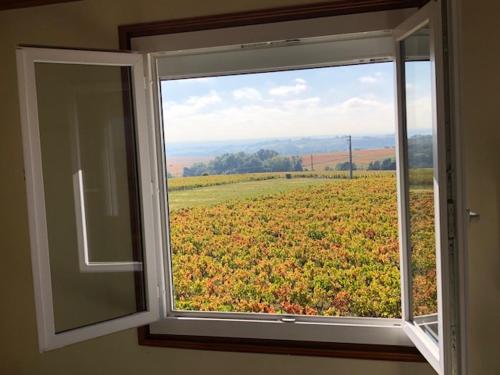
176 164
190 183
361 158
214 194
315 244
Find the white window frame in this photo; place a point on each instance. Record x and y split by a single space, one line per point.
47 336
443 354
352 49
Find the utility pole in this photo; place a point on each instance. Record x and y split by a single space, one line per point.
350 156
312 163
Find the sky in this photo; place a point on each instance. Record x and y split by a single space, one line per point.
356 100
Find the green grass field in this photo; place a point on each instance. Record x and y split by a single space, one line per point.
210 195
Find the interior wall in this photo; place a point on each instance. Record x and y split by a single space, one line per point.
481 140
93 24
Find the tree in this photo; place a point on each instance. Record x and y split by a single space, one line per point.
345 166
420 151
266 154
241 162
197 169
388 164
374 165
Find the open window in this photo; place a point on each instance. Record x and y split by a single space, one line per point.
425 175
89 173
127 229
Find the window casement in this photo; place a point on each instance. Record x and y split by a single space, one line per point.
96 174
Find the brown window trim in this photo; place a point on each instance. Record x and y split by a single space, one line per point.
256 17
288 347
14 4
249 345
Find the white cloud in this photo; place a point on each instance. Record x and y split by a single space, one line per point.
367 79
300 86
247 93
284 118
371 79
192 105
301 103
357 103
204 100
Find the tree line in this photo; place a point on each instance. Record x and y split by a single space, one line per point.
266 160
242 162
419 155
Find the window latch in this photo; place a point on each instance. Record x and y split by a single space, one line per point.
473 214
288 319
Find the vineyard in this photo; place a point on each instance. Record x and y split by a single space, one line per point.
329 247
187 183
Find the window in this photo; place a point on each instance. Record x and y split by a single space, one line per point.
88 174
266 214
306 213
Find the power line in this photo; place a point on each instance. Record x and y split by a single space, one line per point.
328 161
350 156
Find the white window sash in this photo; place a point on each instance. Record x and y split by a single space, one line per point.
47 336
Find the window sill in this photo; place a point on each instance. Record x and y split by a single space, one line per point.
289 347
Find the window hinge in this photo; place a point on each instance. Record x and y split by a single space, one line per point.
451 219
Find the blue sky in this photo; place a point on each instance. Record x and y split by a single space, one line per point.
356 100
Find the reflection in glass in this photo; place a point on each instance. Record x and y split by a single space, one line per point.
420 166
91 201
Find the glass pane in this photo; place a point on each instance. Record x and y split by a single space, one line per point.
89 172
263 215
420 164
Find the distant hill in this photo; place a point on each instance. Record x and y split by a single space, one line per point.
284 146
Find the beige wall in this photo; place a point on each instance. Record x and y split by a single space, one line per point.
481 102
93 24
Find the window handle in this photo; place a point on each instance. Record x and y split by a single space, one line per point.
472 214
